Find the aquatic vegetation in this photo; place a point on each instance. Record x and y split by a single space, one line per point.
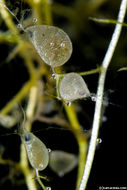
50 52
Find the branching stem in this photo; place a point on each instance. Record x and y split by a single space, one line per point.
100 90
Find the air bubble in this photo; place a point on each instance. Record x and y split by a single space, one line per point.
54 76
34 20
48 188
19 26
93 98
73 87
68 103
99 141
49 150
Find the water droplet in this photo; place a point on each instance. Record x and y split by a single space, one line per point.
99 140
48 188
34 20
49 150
54 76
93 98
19 26
67 103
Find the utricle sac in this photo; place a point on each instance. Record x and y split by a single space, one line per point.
37 152
52 44
73 87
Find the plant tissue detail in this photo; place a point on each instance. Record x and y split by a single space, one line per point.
52 44
73 87
62 162
55 48
37 152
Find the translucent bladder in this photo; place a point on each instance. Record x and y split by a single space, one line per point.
52 44
73 87
37 152
62 162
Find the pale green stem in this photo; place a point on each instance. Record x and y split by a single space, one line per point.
28 174
39 181
93 71
85 73
32 102
107 21
23 156
81 139
100 91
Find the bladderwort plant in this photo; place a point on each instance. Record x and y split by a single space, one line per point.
51 45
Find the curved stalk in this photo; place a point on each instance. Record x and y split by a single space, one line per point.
100 91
